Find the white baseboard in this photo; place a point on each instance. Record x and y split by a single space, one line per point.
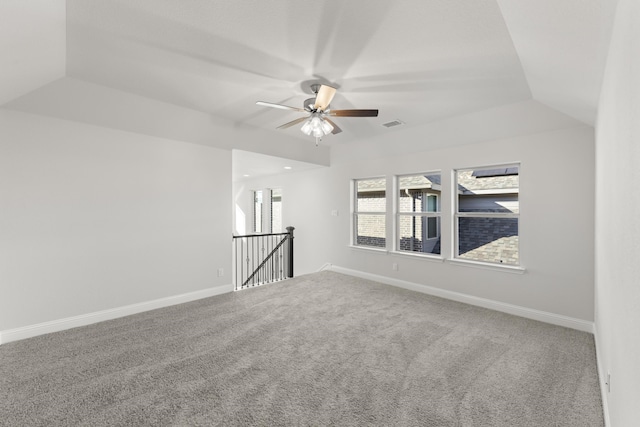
529 313
113 313
602 377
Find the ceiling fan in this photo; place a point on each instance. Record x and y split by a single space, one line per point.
317 123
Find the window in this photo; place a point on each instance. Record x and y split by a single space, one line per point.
487 214
276 210
369 213
418 217
267 211
257 211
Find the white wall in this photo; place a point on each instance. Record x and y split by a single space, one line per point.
556 224
34 45
94 219
617 219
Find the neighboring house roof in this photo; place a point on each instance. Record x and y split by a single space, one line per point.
420 182
408 182
467 183
372 185
470 184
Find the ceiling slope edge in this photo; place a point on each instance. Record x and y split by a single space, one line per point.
32 58
85 102
562 48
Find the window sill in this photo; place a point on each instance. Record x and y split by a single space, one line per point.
513 269
369 249
434 258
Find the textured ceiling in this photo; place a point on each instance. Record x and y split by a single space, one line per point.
419 61
562 45
414 60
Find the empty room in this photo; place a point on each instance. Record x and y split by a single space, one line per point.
412 212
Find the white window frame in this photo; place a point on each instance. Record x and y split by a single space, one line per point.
266 210
355 213
423 214
457 215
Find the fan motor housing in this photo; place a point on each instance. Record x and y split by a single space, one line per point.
309 103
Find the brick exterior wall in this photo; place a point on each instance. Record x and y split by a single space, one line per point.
489 239
377 242
276 216
410 228
374 201
371 229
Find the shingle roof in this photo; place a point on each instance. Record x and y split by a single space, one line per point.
372 185
409 182
469 184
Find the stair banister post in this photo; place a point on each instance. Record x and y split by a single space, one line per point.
290 257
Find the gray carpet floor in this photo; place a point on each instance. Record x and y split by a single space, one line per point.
321 349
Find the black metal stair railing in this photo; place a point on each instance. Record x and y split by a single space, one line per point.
262 258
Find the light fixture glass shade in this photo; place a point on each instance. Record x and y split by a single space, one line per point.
326 127
316 126
306 127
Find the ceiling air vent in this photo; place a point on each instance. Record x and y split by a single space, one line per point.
393 123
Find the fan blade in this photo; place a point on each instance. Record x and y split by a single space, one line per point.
353 113
280 106
324 97
336 128
292 123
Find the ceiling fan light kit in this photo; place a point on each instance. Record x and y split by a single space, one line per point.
317 125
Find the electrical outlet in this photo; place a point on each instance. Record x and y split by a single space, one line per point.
334 212
395 266
220 272
608 382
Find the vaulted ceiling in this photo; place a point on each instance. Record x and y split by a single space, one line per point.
418 61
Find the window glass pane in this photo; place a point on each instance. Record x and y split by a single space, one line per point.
257 211
419 193
486 190
488 240
419 234
370 230
276 210
432 228
371 195
432 203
